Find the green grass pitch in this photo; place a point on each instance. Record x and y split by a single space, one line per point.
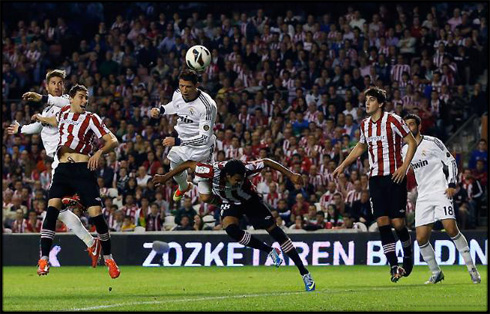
339 288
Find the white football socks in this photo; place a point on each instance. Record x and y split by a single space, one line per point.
73 223
463 248
429 256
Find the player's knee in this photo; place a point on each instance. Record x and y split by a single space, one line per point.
422 239
234 232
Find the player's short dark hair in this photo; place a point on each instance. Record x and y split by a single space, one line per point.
73 91
414 117
376 92
55 73
189 75
233 167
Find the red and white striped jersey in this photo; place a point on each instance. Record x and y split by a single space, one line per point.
78 131
352 196
228 193
397 71
385 140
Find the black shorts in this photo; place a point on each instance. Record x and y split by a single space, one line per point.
257 212
387 197
71 178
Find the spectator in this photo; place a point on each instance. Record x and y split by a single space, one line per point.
186 211
185 224
128 224
480 153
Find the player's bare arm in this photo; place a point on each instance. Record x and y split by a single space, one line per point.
356 152
111 143
294 177
160 179
32 96
48 120
400 173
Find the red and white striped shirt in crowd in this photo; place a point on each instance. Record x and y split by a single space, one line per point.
436 86
266 38
274 46
326 199
212 70
437 59
19 227
33 56
131 210
397 71
267 107
272 198
435 107
384 139
246 78
327 175
448 79
396 102
317 181
384 50
407 100
233 153
238 68
352 196
332 35
247 120
299 37
193 194
78 131
231 57
311 117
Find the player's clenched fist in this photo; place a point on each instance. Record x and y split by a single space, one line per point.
155 112
32 96
160 179
296 179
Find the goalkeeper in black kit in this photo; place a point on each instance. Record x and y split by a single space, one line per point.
229 183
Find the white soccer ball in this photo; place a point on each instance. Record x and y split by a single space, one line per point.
198 58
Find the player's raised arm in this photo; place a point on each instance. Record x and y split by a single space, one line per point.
48 120
160 179
32 128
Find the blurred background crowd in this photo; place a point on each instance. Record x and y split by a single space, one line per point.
287 81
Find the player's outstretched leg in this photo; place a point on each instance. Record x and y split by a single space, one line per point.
246 239
47 236
73 223
406 241
105 241
288 248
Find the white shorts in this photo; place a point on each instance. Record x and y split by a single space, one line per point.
430 211
180 154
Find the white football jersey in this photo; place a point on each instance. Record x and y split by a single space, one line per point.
49 134
196 119
434 167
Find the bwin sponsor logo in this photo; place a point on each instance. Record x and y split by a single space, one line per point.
420 164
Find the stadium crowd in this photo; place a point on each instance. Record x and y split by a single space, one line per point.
288 86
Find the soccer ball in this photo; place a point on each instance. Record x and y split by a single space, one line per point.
198 58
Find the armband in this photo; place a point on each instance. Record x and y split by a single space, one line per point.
162 110
44 99
177 141
452 185
19 130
